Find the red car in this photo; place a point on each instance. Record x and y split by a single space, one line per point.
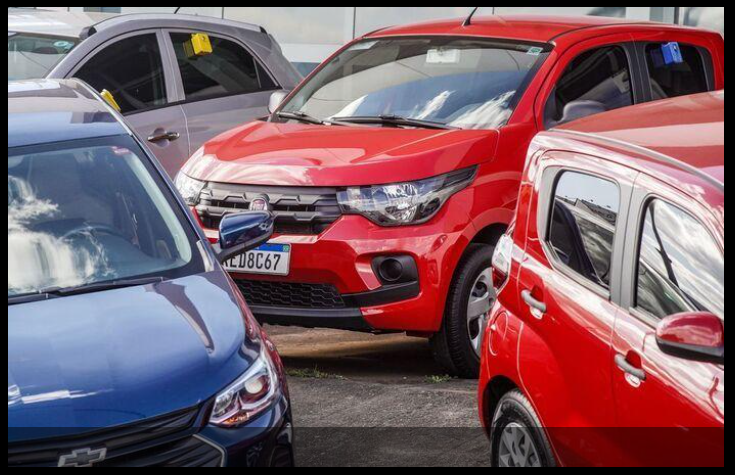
394 168
607 343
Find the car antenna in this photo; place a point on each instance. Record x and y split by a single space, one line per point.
468 20
178 9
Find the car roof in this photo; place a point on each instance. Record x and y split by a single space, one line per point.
689 131
534 28
53 23
76 24
48 111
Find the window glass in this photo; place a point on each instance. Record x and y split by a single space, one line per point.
459 82
596 81
583 221
131 69
32 56
91 212
673 78
230 69
680 268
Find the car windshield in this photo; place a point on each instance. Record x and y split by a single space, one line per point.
92 212
33 56
456 82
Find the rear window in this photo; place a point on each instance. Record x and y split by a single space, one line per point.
675 74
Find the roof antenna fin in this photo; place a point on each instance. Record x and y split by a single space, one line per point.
468 20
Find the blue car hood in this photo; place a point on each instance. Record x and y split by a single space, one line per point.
118 357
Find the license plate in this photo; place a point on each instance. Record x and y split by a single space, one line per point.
268 259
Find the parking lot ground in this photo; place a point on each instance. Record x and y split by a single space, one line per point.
362 399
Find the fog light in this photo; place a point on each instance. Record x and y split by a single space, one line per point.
391 270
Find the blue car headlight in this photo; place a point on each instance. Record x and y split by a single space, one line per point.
249 396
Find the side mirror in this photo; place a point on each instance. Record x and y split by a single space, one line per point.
276 99
694 337
580 109
242 232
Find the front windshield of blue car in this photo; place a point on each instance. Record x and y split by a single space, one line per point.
92 212
33 56
458 82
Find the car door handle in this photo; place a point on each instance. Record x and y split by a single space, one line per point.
532 302
170 136
624 365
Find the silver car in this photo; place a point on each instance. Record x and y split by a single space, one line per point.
179 80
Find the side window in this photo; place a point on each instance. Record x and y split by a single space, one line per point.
680 266
228 70
132 70
582 225
675 74
596 81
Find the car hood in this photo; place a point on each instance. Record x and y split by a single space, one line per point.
122 356
267 153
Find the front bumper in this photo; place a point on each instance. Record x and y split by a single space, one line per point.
338 265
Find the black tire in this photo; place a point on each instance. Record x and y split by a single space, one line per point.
451 347
514 408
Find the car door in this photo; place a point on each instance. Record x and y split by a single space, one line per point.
132 68
592 77
220 89
567 281
675 409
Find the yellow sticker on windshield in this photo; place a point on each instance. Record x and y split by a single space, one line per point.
198 45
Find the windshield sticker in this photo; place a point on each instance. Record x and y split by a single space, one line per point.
443 56
535 51
63 44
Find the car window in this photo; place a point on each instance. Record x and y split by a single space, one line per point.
469 83
596 81
583 221
89 212
229 69
131 70
33 56
675 74
680 266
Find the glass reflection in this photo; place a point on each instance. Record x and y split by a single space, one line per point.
457 82
582 229
681 267
88 214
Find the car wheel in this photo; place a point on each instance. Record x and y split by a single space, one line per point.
458 346
516 436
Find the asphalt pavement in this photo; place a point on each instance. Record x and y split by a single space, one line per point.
361 399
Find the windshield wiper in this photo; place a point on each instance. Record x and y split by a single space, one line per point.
56 292
300 116
394 120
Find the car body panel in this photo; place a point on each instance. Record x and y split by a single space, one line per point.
192 328
194 121
98 363
589 408
268 153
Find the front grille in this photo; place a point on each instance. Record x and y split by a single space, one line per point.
291 295
166 441
298 210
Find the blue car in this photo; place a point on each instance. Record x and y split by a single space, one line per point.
128 344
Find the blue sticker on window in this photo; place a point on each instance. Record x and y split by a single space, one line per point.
672 53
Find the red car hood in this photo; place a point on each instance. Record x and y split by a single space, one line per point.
264 153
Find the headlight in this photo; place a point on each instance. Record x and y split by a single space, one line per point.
249 396
405 203
189 188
